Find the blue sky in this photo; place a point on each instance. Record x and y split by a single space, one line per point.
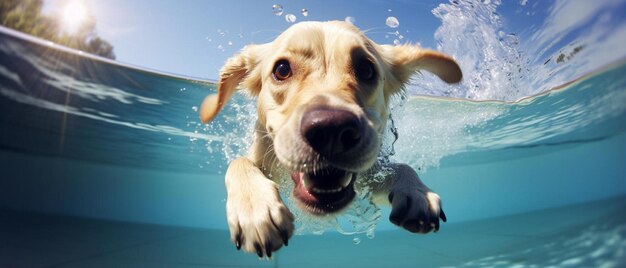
183 37
173 36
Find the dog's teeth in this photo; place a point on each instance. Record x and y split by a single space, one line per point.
326 191
345 181
305 180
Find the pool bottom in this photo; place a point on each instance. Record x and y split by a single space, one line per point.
585 235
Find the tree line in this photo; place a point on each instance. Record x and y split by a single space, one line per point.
26 16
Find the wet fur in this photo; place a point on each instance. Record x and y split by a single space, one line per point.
322 56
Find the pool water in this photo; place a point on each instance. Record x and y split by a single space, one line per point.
111 163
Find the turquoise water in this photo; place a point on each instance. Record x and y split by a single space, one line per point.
92 138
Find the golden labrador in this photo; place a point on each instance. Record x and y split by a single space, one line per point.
323 92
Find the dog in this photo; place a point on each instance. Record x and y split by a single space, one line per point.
323 92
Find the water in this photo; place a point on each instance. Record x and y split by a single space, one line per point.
392 22
291 18
277 9
350 20
538 122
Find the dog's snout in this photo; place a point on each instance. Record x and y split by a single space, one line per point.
331 131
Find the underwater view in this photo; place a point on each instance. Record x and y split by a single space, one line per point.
107 164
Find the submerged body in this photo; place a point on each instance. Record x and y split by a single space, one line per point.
323 101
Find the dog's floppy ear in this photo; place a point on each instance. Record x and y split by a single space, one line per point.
405 60
238 70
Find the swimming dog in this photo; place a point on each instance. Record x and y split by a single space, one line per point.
323 92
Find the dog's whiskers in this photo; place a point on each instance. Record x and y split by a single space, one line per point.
269 153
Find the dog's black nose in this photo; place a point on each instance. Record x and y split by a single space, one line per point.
330 131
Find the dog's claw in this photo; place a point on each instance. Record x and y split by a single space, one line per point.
268 249
442 215
259 251
285 236
238 242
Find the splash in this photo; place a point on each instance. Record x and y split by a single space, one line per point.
492 64
500 64
431 129
234 126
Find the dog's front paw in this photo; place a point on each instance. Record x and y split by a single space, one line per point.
416 211
258 220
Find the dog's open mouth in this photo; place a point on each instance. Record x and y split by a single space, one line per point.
324 191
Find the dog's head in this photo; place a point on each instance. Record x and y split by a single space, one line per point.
323 91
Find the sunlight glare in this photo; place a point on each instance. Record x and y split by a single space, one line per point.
74 14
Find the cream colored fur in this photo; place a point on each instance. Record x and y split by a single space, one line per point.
321 56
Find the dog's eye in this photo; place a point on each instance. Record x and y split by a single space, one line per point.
364 71
282 70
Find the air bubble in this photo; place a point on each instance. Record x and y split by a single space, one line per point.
277 10
356 240
350 20
305 12
512 39
396 42
370 234
392 22
230 43
194 108
291 18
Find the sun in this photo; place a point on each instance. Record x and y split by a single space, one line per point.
73 16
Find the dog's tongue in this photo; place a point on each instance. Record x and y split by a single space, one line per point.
310 185
300 186
325 191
